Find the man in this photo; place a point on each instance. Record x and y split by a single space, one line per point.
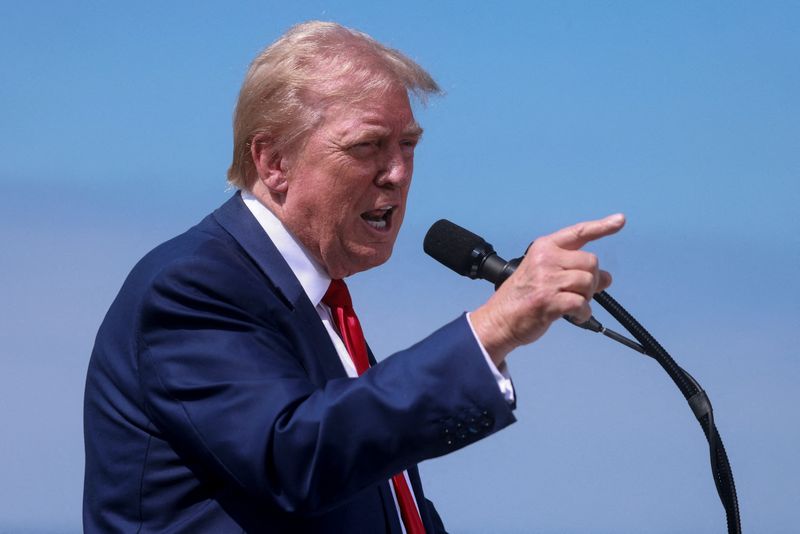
229 388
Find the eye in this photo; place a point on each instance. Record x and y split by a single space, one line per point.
364 149
408 145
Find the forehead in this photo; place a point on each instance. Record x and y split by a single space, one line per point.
386 111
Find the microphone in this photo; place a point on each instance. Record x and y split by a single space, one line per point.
466 253
470 255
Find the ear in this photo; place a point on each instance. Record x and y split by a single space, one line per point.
270 164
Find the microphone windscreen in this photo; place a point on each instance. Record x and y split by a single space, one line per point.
453 246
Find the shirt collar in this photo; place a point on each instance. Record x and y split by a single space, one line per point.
311 275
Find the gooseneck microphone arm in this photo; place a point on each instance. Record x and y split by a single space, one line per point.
469 255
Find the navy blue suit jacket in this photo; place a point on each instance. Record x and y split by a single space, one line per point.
216 402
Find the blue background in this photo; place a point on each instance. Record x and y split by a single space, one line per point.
115 135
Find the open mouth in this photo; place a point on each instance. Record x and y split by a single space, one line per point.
380 218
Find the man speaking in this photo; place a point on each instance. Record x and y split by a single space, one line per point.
231 389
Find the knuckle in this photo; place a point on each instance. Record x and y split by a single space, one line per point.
583 314
540 256
578 231
541 243
593 262
571 302
576 307
584 283
606 279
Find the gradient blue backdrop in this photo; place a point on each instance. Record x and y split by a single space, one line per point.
115 135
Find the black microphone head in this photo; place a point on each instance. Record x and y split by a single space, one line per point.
456 248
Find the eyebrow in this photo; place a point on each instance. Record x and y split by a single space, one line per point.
413 130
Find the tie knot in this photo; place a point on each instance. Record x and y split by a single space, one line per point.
337 295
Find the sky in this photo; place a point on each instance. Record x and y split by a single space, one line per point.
115 136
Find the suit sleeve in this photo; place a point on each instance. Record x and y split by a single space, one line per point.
222 382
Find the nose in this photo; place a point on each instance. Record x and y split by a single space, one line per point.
396 170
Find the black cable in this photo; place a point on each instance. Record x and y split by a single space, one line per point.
698 401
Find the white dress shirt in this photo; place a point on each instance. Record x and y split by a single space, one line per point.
315 281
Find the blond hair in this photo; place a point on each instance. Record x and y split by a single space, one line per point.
288 84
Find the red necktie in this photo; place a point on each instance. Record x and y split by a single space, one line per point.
338 299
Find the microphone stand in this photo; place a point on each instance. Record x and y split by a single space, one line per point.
694 394
692 391
499 270
696 397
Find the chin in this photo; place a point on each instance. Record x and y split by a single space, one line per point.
364 262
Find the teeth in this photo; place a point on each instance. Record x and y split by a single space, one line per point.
378 218
376 224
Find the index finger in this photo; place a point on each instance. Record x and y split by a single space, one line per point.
576 236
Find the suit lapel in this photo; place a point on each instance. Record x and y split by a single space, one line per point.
237 220
389 508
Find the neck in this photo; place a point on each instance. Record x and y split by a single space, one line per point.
275 203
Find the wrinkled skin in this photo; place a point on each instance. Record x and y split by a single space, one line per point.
355 164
